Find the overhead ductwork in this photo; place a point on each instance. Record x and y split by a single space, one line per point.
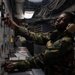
19 9
35 1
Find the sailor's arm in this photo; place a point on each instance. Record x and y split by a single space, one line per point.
57 50
41 38
48 57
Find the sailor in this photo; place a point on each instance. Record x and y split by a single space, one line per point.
58 58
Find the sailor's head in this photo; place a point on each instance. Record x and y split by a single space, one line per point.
63 20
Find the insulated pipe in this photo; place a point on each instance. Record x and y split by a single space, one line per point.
19 8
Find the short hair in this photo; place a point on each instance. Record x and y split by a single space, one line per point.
71 16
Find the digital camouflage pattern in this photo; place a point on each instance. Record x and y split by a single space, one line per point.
56 59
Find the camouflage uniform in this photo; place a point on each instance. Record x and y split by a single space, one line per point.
55 60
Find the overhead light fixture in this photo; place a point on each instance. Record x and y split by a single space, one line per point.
28 14
35 1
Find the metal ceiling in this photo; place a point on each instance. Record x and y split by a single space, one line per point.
44 9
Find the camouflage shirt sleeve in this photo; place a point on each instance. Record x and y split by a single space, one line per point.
38 38
48 57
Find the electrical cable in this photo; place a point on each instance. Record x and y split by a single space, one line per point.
50 6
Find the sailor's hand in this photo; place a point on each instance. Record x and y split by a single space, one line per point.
71 28
10 22
9 66
49 43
